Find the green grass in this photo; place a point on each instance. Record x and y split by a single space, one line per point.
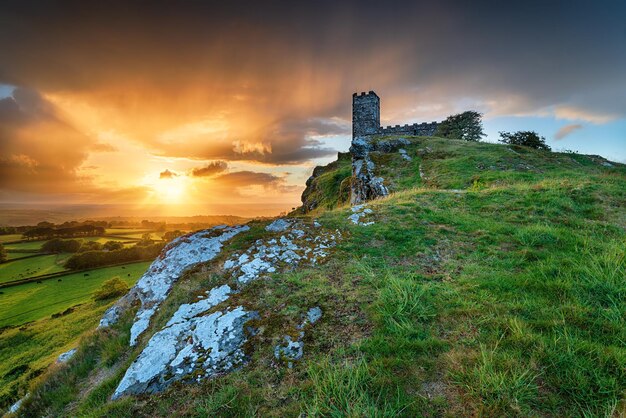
33 301
51 317
26 245
331 188
10 237
505 299
34 266
123 231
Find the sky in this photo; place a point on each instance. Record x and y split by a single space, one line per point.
209 108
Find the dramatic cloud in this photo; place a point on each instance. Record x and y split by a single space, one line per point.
566 130
239 179
209 169
167 174
270 84
103 147
39 151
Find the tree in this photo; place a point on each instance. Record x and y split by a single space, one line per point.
3 253
111 288
467 125
524 138
112 245
171 235
146 239
90 246
58 245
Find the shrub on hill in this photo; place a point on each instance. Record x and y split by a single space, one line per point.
467 125
111 288
91 259
525 138
112 245
3 253
171 235
58 245
90 246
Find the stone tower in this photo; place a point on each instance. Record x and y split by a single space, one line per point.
365 114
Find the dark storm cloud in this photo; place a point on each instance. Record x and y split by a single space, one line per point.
209 169
238 179
167 174
39 151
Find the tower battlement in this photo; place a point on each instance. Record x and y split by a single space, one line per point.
366 119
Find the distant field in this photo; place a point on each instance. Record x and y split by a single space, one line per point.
120 231
8 238
34 266
12 256
28 245
153 235
33 301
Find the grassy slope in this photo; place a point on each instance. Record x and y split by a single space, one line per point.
505 298
33 301
331 188
26 351
34 266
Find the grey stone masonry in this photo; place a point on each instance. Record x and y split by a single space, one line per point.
365 114
366 119
366 183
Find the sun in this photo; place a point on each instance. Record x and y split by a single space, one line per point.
171 190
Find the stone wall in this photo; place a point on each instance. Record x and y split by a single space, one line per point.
417 129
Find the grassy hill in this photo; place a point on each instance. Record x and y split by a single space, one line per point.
491 283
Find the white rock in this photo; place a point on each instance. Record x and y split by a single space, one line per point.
189 310
16 406
278 225
216 340
65 357
179 255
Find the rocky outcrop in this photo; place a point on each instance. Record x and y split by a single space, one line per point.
201 341
190 346
312 195
366 185
154 286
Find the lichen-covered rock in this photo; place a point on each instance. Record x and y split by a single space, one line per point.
197 343
195 347
17 405
359 212
366 185
154 286
65 357
290 350
405 155
298 243
279 225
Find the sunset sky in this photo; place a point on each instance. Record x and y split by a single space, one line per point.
215 108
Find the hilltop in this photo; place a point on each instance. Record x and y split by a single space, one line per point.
484 279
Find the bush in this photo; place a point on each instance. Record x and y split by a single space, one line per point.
467 125
3 253
171 235
114 287
58 245
113 245
91 259
90 246
524 138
